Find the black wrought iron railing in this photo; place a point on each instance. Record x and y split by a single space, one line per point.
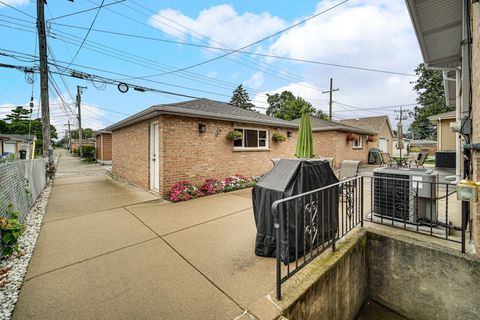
419 205
309 223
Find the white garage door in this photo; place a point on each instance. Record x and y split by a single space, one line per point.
10 147
382 144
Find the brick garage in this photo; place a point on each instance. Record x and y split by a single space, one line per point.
192 143
103 147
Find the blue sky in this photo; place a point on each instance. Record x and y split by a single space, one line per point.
372 34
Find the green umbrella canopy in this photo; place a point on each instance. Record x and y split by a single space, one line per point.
305 136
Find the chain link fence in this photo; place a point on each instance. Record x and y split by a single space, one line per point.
21 183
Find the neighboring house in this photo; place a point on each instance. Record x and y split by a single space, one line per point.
445 135
15 143
405 150
85 142
380 126
164 144
428 146
336 140
103 146
449 36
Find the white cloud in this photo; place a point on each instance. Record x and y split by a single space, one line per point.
212 74
378 34
256 80
14 3
220 23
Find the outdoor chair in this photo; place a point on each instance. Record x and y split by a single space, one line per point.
348 169
419 160
386 159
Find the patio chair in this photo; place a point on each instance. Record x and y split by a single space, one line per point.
419 160
386 159
348 169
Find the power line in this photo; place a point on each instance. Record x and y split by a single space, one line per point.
273 73
86 10
360 68
86 35
18 10
263 39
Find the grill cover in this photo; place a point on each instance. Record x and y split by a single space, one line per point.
287 178
374 156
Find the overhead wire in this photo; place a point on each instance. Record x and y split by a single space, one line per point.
16 9
275 75
136 36
86 35
262 39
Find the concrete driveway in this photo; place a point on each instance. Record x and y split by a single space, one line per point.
108 250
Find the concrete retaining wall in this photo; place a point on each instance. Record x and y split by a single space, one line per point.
336 285
422 282
415 278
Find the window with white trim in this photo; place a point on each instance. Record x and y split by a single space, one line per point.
251 139
357 143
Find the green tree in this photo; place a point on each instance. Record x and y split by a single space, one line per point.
86 133
18 122
321 115
241 99
286 106
431 97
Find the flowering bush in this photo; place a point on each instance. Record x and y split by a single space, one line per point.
184 190
212 186
237 181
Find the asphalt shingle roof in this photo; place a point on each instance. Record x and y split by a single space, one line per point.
205 108
445 115
18 137
324 125
374 124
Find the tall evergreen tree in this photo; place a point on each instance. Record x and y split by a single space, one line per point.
431 97
241 99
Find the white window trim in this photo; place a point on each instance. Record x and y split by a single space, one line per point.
360 146
267 142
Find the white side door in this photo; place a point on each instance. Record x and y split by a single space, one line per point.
154 158
382 144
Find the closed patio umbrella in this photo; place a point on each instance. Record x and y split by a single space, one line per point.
305 137
400 145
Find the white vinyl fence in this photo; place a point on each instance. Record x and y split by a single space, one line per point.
21 183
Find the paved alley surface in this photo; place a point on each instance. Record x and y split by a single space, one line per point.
108 250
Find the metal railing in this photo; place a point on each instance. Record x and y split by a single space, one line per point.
309 223
421 206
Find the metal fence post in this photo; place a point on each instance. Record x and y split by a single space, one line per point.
361 202
278 276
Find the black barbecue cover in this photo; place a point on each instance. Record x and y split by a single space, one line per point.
287 178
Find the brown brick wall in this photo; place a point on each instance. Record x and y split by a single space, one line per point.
185 154
476 113
188 155
130 153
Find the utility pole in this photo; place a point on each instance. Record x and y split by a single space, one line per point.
42 47
330 92
69 136
79 102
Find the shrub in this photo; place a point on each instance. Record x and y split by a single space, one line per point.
184 190
278 137
88 152
10 230
211 186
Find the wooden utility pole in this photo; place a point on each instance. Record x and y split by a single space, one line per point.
79 102
331 100
42 47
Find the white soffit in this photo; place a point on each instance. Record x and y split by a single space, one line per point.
438 25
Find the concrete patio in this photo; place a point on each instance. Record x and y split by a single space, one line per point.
112 251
